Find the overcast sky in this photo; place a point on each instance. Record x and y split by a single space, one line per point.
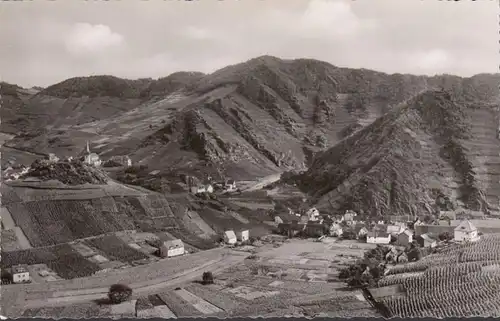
42 42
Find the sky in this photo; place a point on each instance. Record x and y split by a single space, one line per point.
45 42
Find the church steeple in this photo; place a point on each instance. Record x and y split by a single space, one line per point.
88 147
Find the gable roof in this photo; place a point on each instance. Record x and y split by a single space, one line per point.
393 228
427 237
466 226
376 234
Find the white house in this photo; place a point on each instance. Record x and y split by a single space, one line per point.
336 230
230 185
123 160
313 214
243 235
20 274
378 237
172 248
230 237
466 231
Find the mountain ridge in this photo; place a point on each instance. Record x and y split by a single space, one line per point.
269 115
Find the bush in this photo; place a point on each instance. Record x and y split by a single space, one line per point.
119 293
208 278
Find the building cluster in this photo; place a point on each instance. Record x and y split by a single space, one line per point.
232 238
227 186
399 231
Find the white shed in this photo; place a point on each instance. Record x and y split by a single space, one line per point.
230 237
20 274
172 248
243 235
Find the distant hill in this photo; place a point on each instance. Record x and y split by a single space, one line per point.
415 159
268 115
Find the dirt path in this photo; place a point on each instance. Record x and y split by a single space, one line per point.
263 182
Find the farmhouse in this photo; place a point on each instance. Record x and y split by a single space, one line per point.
395 229
230 237
172 248
425 240
243 235
20 274
405 238
378 236
466 231
123 160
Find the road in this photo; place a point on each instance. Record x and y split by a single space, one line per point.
52 294
263 182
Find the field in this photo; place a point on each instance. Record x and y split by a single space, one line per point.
298 278
462 280
62 259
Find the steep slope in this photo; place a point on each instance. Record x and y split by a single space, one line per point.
413 160
252 119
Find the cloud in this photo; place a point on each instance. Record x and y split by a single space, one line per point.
197 33
328 17
85 38
434 60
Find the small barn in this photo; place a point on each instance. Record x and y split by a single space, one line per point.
20 274
425 240
230 237
172 248
243 235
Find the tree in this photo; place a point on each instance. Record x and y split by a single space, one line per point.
445 236
208 278
119 293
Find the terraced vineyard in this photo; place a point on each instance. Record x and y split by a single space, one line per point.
64 221
461 281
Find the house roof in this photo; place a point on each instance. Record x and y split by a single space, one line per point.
407 232
359 227
174 243
393 228
230 234
427 237
466 226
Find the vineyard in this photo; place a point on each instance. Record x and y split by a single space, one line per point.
62 259
63 221
461 280
113 247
